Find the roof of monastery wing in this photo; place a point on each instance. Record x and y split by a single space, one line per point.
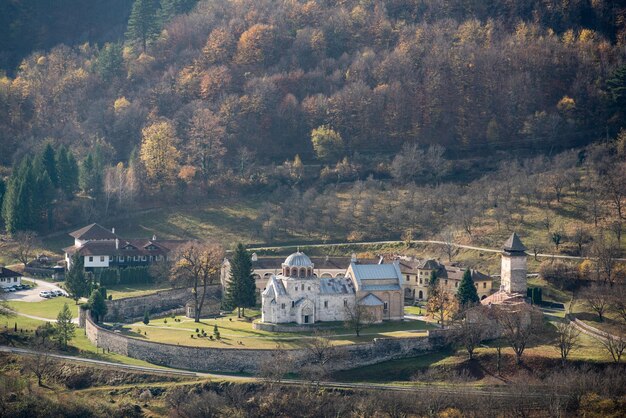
93 232
363 273
336 286
371 300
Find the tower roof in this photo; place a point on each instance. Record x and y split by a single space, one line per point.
514 244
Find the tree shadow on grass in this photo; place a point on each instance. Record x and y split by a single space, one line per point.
393 370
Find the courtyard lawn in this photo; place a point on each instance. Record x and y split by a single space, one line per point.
238 333
414 310
48 308
121 291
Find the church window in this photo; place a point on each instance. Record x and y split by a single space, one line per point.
90 258
446 282
345 302
282 306
296 288
456 284
293 303
407 277
309 287
325 304
385 306
484 285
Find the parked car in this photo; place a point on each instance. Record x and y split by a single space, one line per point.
59 293
45 294
9 289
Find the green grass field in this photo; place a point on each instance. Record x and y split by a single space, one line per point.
133 290
238 333
48 308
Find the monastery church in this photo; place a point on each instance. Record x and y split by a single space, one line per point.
298 295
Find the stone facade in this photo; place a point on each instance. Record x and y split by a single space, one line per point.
170 301
233 360
416 277
513 267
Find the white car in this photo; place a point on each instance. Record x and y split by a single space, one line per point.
45 294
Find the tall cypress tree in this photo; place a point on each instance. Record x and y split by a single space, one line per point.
433 283
467 294
241 291
143 23
49 161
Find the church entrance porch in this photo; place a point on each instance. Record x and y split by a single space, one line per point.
307 312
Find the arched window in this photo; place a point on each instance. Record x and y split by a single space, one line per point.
294 272
302 272
420 295
484 296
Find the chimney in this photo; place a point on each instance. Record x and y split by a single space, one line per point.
254 257
353 258
381 260
113 230
117 244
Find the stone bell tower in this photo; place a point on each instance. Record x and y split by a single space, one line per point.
513 270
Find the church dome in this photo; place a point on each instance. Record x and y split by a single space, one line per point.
298 259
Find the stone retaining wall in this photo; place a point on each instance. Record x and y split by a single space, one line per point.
169 301
233 360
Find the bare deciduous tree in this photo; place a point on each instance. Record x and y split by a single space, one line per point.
196 266
618 300
25 244
321 352
615 345
275 367
567 339
597 298
518 327
470 333
357 316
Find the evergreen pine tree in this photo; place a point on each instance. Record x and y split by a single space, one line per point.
64 327
42 195
143 24
467 294
49 161
146 318
2 193
76 283
67 171
72 174
90 175
97 305
171 8
9 201
110 61
241 291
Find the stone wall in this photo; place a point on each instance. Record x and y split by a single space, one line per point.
162 302
235 360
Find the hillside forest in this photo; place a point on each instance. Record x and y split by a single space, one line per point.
350 119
